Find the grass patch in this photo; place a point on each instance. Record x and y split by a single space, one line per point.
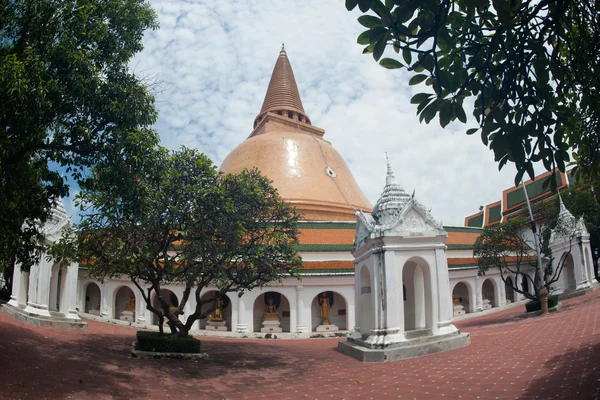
155 342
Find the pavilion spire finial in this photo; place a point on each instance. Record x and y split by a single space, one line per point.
282 96
561 205
390 174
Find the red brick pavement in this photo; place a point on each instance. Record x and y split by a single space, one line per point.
552 357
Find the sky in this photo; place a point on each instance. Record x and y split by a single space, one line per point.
210 63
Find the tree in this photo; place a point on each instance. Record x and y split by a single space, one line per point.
531 68
67 97
509 248
180 221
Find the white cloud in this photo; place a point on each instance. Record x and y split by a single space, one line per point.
215 61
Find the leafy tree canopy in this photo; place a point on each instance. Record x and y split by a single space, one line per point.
67 102
177 220
531 68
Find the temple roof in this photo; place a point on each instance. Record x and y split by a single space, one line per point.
393 197
282 93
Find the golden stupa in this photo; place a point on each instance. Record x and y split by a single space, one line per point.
306 170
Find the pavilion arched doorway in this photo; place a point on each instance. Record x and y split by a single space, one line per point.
418 305
569 274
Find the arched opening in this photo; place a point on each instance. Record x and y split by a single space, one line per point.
461 299
336 314
508 287
124 304
367 311
171 300
488 295
569 274
417 306
92 299
272 306
225 310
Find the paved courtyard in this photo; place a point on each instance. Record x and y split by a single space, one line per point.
552 357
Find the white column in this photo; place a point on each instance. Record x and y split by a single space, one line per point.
234 312
68 297
579 264
444 308
105 300
39 287
502 290
17 287
393 313
32 292
355 328
242 326
140 307
300 325
478 295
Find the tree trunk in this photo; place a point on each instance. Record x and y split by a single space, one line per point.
161 319
543 295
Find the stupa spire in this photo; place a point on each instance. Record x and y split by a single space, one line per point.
282 95
390 178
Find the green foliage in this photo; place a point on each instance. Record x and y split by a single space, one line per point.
535 305
67 99
530 67
172 218
156 342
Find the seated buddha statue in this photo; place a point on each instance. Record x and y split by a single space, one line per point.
456 301
271 313
131 305
217 315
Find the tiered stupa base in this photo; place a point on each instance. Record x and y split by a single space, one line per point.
458 310
417 343
327 328
271 327
127 316
486 304
216 326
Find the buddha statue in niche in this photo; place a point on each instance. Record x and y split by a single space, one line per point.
325 307
271 313
131 305
217 315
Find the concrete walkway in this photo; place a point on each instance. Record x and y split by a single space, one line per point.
552 357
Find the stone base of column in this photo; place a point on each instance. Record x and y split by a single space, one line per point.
414 347
52 320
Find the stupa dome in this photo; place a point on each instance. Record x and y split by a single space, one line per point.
306 170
